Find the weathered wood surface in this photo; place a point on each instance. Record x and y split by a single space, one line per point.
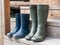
48 2
53 4
18 3
47 41
25 9
54 12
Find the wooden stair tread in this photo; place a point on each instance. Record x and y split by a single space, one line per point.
18 3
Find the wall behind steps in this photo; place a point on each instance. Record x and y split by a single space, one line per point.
53 14
55 4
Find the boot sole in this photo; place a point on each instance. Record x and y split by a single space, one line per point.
39 40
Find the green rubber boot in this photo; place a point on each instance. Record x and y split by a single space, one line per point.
33 13
42 14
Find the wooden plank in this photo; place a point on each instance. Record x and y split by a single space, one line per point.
54 14
18 3
2 26
7 15
53 32
45 2
53 28
25 9
54 4
54 7
47 41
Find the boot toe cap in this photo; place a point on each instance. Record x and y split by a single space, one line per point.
28 38
18 36
37 39
9 35
15 36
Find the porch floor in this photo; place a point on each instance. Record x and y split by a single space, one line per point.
47 41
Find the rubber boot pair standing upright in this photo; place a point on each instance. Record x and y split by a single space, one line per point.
39 14
21 28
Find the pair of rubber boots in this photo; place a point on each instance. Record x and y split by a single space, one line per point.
39 14
21 28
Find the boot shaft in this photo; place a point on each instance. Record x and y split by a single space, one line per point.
42 13
18 23
25 21
33 13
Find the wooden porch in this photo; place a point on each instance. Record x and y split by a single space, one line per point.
54 9
54 13
47 41
50 40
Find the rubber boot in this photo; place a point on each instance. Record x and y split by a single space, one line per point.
17 27
33 13
42 14
24 30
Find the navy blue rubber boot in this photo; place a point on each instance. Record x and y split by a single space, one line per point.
24 30
17 27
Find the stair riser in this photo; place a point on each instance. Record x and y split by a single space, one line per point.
53 31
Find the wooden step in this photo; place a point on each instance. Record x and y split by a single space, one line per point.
47 41
53 38
25 9
53 28
18 3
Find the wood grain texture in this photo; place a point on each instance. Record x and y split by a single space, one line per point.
7 15
25 9
48 2
18 3
54 12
